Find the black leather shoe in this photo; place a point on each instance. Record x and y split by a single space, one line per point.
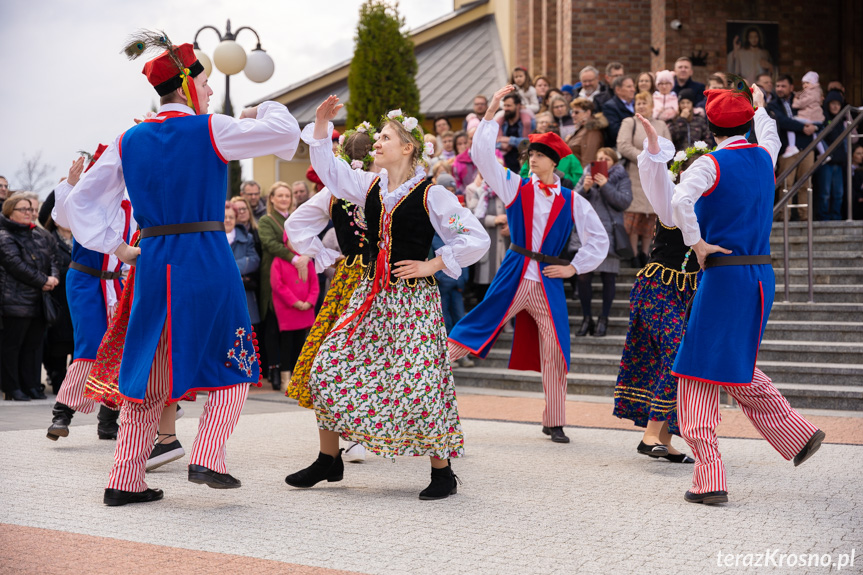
678 458
17 395
60 424
107 427
36 394
709 498
601 327
810 448
556 433
443 484
201 475
115 497
587 327
325 467
275 377
658 450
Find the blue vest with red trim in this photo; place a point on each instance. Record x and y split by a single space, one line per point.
478 330
87 297
188 284
731 307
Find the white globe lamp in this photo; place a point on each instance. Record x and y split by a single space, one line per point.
230 58
259 66
205 61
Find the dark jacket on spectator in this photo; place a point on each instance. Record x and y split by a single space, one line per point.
605 94
839 156
696 87
685 133
786 123
27 257
62 331
610 200
615 111
249 263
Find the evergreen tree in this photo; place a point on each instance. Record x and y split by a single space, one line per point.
384 67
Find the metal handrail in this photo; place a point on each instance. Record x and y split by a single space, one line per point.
784 205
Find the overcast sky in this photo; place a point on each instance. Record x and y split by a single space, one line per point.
65 85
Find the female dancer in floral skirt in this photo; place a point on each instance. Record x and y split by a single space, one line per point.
646 391
349 222
381 376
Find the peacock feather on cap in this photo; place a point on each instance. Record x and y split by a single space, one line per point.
87 155
144 41
737 84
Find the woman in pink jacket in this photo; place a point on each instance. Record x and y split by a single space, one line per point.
294 300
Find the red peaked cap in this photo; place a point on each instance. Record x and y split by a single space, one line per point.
163 74
549 144
728 108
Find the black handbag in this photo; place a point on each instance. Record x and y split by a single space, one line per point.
49 308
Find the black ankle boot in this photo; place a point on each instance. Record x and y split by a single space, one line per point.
642 259
443 484
587 326
60 424
325 467
275 377
108 427
601 327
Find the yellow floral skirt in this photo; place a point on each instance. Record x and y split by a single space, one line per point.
348 274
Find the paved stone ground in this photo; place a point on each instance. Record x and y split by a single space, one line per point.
526 506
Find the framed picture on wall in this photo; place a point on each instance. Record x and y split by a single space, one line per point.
752 48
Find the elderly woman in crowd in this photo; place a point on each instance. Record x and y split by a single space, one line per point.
639 220
246 220
609 196
28 269
587 136
248 260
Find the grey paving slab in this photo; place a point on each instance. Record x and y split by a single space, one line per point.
526 505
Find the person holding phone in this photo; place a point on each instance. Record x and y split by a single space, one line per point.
607 188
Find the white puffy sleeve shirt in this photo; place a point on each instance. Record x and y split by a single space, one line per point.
304 225
464 237
591 232
93 205
701 176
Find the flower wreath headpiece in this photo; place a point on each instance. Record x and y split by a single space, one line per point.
698 149
365 128
410 124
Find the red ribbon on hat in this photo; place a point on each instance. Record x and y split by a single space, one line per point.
96 156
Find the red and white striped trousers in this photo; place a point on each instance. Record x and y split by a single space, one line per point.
531 297
139 423
72 389
768 410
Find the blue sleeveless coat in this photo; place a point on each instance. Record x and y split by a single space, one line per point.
478 330
87 296
187 283
732 304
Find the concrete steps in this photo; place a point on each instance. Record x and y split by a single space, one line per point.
812 351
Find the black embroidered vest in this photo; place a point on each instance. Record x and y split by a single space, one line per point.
668 254
410 231
351 229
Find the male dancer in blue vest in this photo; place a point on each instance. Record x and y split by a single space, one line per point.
189 326
724 208
92 289
540 213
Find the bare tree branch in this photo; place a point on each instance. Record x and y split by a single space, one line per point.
34 174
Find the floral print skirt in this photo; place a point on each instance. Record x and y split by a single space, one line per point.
347 276
389 386
646 390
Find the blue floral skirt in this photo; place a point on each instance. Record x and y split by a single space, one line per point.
646 390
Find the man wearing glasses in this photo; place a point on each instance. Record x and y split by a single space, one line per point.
251 190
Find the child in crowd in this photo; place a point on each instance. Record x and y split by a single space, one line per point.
521 80
807 105
294 300
448 145
665 104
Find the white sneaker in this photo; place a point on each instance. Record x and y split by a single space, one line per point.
791 151
355 453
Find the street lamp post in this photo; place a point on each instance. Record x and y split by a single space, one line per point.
230 58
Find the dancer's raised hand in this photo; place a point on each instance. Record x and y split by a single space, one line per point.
324 114
75 171
652 136
494 105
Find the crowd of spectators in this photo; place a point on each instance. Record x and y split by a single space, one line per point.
594 116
